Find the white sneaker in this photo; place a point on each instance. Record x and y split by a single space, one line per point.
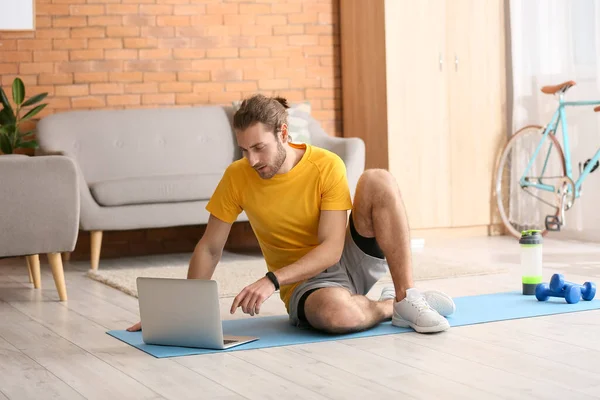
439 301
415 312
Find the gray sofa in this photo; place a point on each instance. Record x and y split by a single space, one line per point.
40 212
151 168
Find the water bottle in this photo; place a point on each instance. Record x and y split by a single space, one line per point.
531 260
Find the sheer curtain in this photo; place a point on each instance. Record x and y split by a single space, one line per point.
553 41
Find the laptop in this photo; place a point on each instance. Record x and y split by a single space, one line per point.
183 313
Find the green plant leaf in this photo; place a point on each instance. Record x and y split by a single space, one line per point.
7 117
30 144
35 99
27 133
33 112
5 145
5 102
18 91
7 130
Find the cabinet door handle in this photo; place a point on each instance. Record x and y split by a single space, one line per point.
455 62
441 62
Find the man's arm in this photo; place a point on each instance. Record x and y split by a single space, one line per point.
206 255
332 231
209 249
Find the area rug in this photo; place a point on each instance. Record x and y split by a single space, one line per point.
235 271
232 275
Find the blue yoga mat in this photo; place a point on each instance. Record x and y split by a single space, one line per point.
277 331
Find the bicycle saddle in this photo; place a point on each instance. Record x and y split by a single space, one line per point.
552 89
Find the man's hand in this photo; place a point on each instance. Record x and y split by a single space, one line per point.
136 327
252 297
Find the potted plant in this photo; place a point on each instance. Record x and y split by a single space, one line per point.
11 137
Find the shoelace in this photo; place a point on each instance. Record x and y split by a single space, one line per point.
421 304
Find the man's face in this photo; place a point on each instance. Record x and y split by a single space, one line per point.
263 150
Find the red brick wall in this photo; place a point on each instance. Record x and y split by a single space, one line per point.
146 53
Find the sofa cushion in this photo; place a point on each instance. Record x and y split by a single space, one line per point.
119 144
155 189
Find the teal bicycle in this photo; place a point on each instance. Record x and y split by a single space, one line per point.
534 183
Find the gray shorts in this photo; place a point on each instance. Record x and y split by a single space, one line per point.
356 271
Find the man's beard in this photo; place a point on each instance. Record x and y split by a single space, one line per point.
272 169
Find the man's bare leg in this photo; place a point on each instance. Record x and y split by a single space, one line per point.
378 212
336 310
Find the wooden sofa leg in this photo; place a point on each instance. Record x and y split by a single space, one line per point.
96 242
34 265
58 274
66 256
29 269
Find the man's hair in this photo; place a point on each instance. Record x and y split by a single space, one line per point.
270 111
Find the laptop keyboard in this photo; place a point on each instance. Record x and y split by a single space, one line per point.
227 341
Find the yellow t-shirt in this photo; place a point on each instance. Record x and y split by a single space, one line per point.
284 211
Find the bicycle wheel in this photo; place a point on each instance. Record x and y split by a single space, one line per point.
526 207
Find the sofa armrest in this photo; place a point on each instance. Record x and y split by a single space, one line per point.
40 204
351 151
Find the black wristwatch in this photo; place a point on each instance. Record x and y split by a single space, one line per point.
273 279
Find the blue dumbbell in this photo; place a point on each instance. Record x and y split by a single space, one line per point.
572 294
588 289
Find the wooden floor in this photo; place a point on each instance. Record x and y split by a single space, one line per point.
59 350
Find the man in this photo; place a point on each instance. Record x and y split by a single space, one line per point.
296 197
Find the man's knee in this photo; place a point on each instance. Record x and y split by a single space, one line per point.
378 184
338 321
333 311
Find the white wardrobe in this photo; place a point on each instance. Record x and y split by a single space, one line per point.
424 84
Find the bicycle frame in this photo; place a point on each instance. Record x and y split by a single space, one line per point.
560 116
